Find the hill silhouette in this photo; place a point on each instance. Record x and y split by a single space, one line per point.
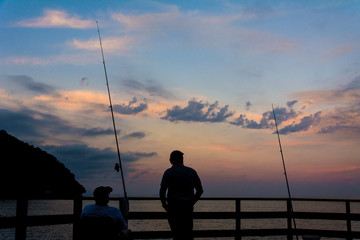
28 170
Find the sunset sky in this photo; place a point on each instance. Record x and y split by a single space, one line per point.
197 76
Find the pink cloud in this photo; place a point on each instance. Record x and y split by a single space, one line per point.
339 106
57 18
77 59
117 45
341 51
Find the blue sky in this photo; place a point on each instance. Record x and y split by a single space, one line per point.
198 76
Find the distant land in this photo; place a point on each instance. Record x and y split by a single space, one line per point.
28 170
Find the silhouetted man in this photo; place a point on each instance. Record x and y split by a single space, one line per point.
180 181
100 221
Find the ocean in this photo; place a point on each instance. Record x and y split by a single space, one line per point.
64 232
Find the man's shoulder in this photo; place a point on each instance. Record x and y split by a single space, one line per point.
89 206
190 169
187 167
179 169
112 209
167 171
101 208
115 208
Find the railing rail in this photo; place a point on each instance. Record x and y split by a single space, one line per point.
21 221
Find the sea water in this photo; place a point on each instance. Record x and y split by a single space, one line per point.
64 231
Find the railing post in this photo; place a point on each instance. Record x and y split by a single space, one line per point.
348 220
77 213
238 219
289 218
21 215
123 205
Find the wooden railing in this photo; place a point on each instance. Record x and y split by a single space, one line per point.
21 221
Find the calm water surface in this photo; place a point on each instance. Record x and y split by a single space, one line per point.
64 232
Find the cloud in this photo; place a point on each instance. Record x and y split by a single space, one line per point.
304 124
353 85
166 20
243 121
90 163
345 120
98 132
340 107
35 125
348 94
138 135
150 87
130 109
291 103
26 122
135 156
340 128
266 121
282 114
170 17
340 51
81 59
198 27
29 84
57 18
75 100
340 112
113 45
197 111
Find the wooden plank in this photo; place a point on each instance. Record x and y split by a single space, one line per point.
146 215
211 215
50 220
212 233
245 233
320 215
260 215
151 234
249 215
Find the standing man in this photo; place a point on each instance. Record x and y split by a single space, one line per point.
180 181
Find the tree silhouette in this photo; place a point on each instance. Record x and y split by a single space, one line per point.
28 170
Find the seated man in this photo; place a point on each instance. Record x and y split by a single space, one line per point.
100 221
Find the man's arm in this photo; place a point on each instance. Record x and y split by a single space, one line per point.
198 187
122 224
199 192
120 219
162 194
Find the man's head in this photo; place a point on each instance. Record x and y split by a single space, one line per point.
176 157
102 195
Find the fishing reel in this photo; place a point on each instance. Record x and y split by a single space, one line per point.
117 167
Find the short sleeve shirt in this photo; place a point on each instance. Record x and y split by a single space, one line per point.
94 210
181 182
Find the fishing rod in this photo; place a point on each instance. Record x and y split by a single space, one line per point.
286 178
118 166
